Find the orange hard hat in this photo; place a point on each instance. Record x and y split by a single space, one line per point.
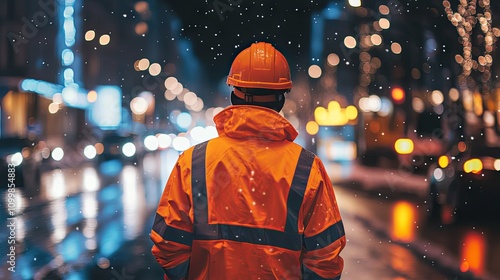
260 66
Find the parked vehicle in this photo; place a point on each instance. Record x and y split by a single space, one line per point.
126 148
466 184
22 155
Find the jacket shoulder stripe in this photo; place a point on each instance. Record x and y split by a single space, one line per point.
199 185
297 189
325 238
257 236
171 233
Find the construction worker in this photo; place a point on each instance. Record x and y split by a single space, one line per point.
250 204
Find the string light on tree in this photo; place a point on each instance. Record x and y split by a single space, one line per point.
465 19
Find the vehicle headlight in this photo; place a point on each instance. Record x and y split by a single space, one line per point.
128 149
15 159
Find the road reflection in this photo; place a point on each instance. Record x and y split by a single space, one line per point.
473 253
403 221
133 199
93 223
81 221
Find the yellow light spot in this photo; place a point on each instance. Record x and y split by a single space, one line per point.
474 165
351 112
443 161
404 146
312 127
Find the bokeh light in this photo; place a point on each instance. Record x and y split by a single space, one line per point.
384 23
164 141
396 48
154 69
143 64
104 39
333 59
92 96
89 35
57 154
129 149
139 105
312 127
90 152
314 71
151 142
350 42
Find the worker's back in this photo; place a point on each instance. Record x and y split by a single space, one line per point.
247 188
250 204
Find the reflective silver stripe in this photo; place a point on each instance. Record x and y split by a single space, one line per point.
170 233
213 232
199 185
297 190
325 238
258 236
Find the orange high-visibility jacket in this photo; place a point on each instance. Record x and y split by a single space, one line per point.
249 204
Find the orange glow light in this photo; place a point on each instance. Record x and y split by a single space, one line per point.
403 217
464 267
398 95
99 148
473 252
462 147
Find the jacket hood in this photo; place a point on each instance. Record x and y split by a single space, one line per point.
247 121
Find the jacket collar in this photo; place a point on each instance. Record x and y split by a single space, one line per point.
247 121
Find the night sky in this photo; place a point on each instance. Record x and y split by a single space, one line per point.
285 24
219 31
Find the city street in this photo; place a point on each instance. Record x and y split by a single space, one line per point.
399 99
93 223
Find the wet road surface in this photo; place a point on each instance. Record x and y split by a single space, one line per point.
93 223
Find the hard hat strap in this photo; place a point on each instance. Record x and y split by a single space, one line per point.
258 98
